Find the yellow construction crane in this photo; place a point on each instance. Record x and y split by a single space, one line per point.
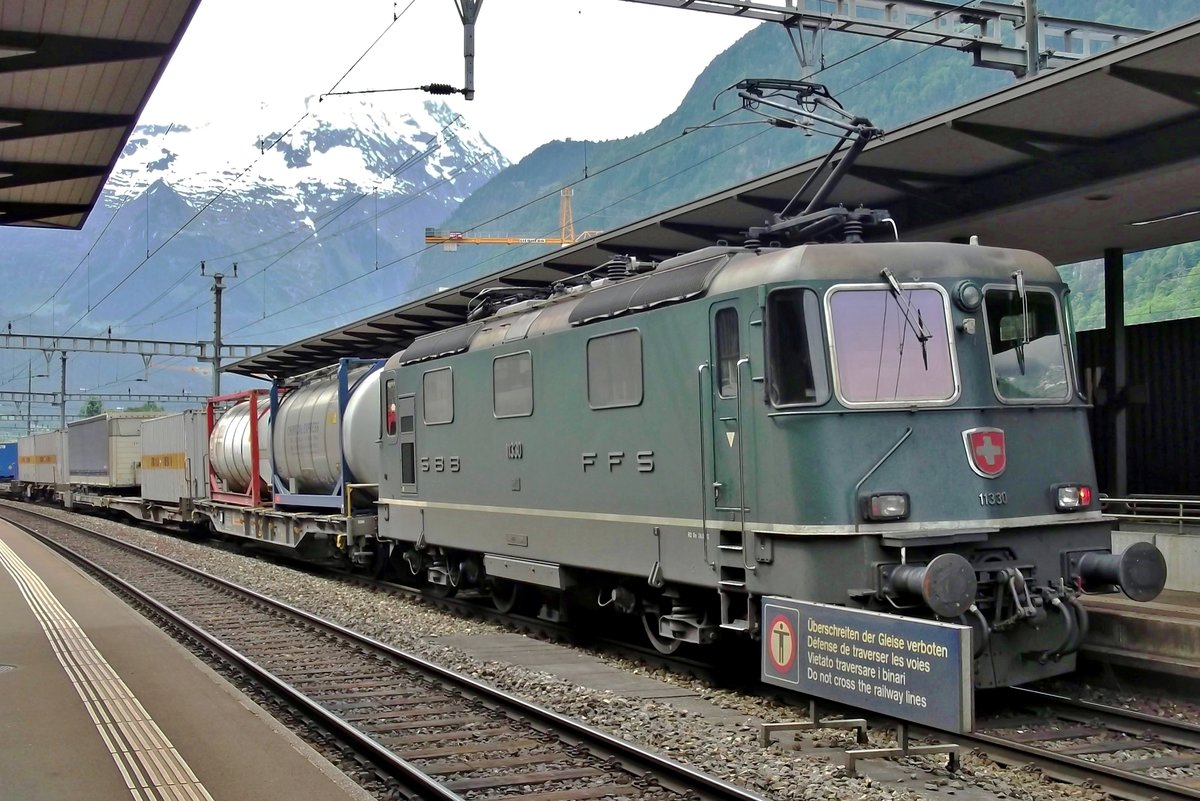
450 240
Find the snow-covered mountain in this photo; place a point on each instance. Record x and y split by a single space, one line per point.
324 218
340 146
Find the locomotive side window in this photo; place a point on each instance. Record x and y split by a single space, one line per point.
512 385
796 372
727 352
614 370
891 347
1027 347
437 399
406 410
389 407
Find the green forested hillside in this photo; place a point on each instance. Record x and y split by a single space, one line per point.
620 181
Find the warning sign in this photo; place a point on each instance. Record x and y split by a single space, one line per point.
908 668
782 649
781 645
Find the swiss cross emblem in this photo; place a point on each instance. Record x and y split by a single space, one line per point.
985 451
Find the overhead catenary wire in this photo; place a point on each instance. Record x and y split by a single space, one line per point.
518 208
824 67
476 264
409 198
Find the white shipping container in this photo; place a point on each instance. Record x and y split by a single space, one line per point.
40 458
104 450
174 457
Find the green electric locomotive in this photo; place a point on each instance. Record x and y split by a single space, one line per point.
880 425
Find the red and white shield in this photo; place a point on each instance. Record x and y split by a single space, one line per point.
985 451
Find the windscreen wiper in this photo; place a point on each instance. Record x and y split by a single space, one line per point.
918 328
1023 340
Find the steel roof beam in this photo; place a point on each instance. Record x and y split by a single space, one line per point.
13 212
1180 87
28 123
36 51
24 173
1117 157
702 231
1024 140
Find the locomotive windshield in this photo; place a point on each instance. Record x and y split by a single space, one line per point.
1027 347
891 347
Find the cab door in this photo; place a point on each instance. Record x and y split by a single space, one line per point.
729 380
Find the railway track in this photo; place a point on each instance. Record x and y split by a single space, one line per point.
435 733
1130 754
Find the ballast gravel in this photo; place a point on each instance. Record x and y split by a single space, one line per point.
728 751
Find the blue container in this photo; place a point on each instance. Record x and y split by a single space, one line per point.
8 461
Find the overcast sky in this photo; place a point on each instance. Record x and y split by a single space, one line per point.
544 69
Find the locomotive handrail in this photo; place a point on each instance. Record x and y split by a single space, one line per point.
1179 510
741 441
703 472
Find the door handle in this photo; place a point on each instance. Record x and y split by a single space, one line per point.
717 490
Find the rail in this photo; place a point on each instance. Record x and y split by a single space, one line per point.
1180 511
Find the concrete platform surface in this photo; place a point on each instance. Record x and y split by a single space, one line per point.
97 703
1160 636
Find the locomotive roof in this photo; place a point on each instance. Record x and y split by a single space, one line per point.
719 270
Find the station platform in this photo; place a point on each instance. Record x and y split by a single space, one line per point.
1160 636
97 703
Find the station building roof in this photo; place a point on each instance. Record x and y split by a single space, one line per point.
74 76
1097 155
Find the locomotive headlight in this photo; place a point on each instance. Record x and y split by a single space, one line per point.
968 296
885 506
1072 497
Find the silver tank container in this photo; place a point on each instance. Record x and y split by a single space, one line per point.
308 453
229 446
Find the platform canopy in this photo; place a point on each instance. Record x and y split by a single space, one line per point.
74 76
1098 155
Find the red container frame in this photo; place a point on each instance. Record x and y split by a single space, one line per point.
254 494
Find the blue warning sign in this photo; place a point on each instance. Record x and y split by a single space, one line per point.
907 668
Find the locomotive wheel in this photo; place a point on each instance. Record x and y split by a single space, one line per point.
441 590
665 646
507 596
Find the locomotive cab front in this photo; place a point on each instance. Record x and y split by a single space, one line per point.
943 467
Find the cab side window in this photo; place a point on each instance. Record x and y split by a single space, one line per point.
727 352
796 373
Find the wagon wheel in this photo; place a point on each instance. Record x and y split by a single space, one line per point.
381 560
665 646
507 596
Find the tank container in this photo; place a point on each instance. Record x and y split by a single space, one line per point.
229 446
309 434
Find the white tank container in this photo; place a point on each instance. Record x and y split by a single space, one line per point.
308 452
229 446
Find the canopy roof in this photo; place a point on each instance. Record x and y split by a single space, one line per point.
74 76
